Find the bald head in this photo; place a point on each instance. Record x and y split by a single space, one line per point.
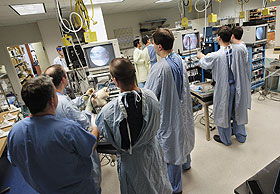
123 71
57 73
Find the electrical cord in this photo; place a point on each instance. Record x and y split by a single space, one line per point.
269 96
62 21
206 3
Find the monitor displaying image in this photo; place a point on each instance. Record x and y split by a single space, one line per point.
99 55
260 33
190 41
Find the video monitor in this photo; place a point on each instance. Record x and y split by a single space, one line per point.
260 33
190 41
99 55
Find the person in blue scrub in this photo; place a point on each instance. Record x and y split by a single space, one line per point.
52 154
168 79
150 55
67 108
130 123
232 90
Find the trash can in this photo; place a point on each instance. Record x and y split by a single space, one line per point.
273 81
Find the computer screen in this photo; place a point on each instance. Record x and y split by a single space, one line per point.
190 41
99 55
261 33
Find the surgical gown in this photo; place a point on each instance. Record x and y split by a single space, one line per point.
176 130
217 61
245 55
68 109
143 171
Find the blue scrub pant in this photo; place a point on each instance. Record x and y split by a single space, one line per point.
175 174
238 130
141 84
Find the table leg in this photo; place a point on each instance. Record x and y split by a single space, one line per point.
206 115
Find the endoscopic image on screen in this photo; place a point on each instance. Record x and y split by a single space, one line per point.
260 33
100 56
190 41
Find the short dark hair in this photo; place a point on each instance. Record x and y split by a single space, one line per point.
124 71
164 37
136 42
237 31
37 93
225 33
145 39
57 72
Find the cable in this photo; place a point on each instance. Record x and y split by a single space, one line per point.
62 21
206 3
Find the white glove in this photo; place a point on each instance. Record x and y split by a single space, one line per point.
89 107
88 93
99 100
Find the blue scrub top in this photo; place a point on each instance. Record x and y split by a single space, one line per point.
152 54
53 154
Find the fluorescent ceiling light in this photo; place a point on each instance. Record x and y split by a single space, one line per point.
88 2
163 1
28 9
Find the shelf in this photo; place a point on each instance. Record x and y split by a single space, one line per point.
256 84
24 79
16 56
256 68
271 21
256 52
192 68
257 59
19 64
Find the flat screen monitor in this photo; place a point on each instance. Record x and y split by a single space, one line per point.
99 55
190 41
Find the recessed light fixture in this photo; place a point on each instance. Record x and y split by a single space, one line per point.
88 2
29 9
163 1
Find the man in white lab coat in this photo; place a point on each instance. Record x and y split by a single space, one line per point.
229 70
141 69
60 59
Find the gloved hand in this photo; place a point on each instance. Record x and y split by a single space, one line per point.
88 93
99 100
89 107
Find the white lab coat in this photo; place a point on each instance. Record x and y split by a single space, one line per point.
141 69
61 61
217 61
